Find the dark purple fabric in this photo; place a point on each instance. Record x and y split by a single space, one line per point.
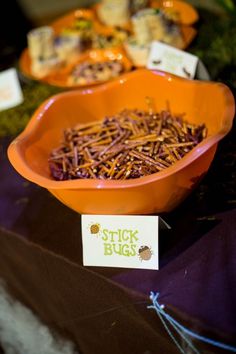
201 281
197 256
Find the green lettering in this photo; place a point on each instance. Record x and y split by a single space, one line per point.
105 233
123 235
120 235
107 249
133 250
133 236
112 233
125 250
117 248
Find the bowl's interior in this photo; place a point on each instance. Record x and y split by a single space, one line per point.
202 102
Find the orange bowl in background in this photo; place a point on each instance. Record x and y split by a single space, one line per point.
188 15
203 102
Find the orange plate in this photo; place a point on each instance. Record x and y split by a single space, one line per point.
60 78
68 19
188 33
25 62
187 13
58 25
203 102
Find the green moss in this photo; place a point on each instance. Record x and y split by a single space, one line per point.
216 45
14 120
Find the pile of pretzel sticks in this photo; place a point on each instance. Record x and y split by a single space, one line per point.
131 144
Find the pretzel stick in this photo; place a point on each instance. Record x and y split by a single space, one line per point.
131 144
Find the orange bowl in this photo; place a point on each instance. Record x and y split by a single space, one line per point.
60 76
203 102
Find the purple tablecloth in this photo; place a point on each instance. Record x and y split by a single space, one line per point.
104 309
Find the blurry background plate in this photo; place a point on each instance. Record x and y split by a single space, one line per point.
60 77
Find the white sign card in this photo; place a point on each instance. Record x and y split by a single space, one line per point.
123 241
175 61
10 90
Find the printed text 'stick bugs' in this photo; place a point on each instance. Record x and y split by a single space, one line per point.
145 253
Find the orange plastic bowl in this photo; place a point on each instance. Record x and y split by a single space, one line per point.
203 102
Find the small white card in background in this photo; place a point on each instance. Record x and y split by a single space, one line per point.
10 90
175 61
123 241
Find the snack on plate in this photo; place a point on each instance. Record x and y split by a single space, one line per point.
41 43
41 68
149 25
42 51
131 144
67 48
89 73
114 12
141 27
138 53
81 30
154 24
116 38
172 33
131 24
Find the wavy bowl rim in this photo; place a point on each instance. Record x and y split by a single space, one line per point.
14 149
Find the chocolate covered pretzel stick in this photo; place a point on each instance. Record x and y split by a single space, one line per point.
131 144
